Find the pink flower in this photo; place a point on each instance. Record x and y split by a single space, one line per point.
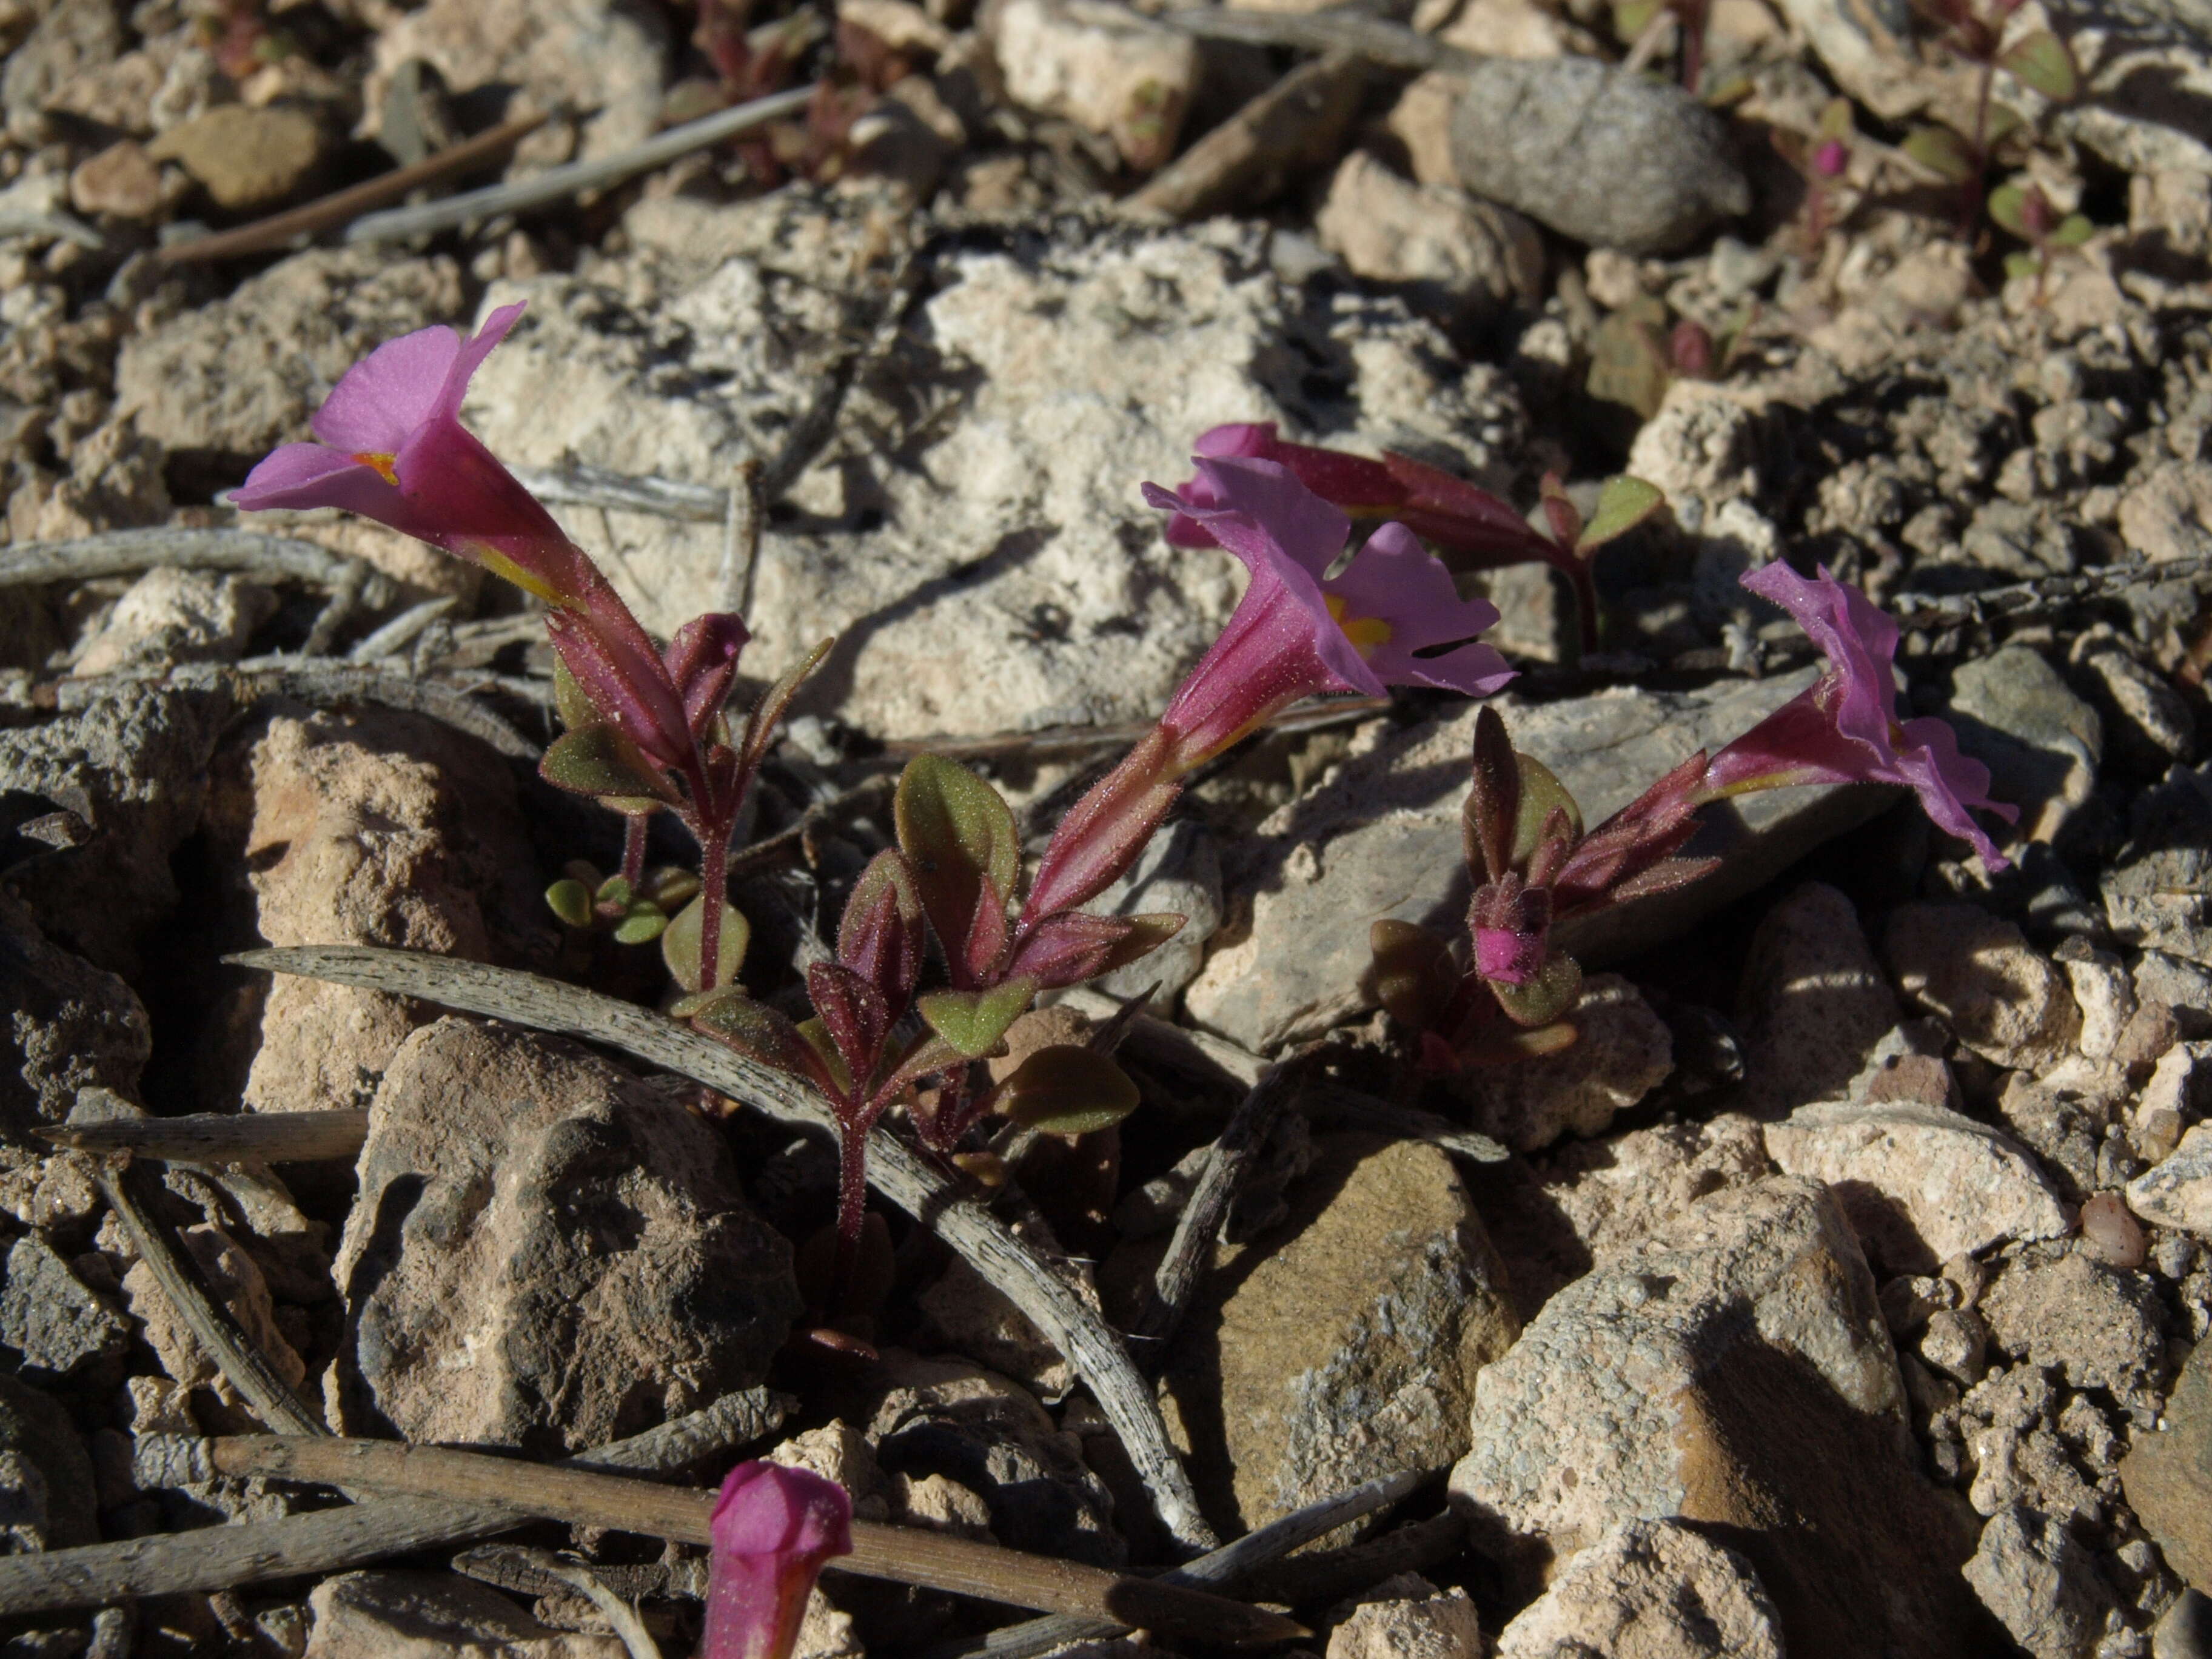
1844 728
1297 630
773 1529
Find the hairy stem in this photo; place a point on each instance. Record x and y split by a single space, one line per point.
714 894
1970 206
633 868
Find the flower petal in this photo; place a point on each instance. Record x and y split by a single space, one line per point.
1949 782
301 476
1247 499
772 1527
1859 641
471 354
381 400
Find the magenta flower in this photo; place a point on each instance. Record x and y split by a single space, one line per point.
1844 728
1297 630
773 1529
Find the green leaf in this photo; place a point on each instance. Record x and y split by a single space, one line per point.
1539 792
1836 121
2045 62
958 833
568 699
597 760
753 1029
1941 151
2004 121
2022 265
670 886
1623 503
2073 231
1067 1091
1556 988
613 890
1148 932
2008 207
974 1021
679 943
1415 977
1631 17
571 901
1627 366
760 723
645 923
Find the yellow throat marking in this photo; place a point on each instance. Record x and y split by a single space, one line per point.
1366 633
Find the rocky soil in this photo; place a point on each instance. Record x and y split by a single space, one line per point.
1843 1292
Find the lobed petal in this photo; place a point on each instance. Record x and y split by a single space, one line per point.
1949 782
1397 580
301 476
466 361
1858 639
379 403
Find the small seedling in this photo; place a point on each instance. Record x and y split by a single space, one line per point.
2026 212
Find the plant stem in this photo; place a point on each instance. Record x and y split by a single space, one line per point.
715 894
633 868
1970 208
852 1203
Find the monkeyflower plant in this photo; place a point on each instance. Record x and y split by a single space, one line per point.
772 1530
646 725
1534 865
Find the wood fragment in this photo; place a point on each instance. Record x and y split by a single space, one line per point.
342 207
577 484
909 1555
402 630
1330 1575
334 1541
1059 743
898 1170
1232 1564
1296 125
1324 1102
221 1137
248 552
1198 1056
587 1580
558 184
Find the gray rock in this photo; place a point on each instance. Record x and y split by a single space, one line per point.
383 1616
73 1026
1475 257
1814 1004
545 1253
2003 1000
2149 723
1656 1590
1108 69
2185 1632
2041 743
1423 1623
2168 1474
171 614
1381 838
1621 1052
2177 1192
2153 891
45 1476
1347 1342
72 38
2177 983
1180 872
2098 1325
1615 160
132 764
1921 1183
52 1326
1734 1371
2042 1585
982 485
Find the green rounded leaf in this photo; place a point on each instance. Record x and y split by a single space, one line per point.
2008 207
568 699
679 943
1067 1091
597 760
753 1029
1941 151
571 901
957 834
615 890
1148 930
2022 265
1539 792
645 923
1623 503
671 887
2073 231
1556 988
973 1022
2045 62
1415 977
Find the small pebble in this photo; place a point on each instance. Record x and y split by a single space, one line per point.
2110 1233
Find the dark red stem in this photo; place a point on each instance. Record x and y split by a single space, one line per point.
1969 209
633 866
714 893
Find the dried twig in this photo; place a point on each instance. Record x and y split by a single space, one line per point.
741 536
586 1581
54 226
896 1170
789 842
558 184
1922 613
327 212
1350 29
579 485
1191 1250
1327 1575
332 1541
906 1555
1231 1564
1061 741
402 630
1196 1054
274 1400
1295 124
221 1137
1324 1102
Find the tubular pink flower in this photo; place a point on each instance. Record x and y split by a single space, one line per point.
1844 728
391 447
1297 630
773 1529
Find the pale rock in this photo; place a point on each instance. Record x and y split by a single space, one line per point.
2151 725
2167 515
941 1504
1381 837
2180 1083
1179 873
73 40
1701 449
45 1478
840 1454
2042 743
970 1315
1734 1371
2177 983
242 1289
2031 1443
1921 1183
982 1432
2173 207
2150 885
2001 999
1510 29
1652 1590
71 1026
1421 121
121 180
1346 1344
1432 1625
2103 991
2065 1129
2177 1192
1601 156
132 762
984 488
54 1327
247 158
1106 68
603 61
2167 1475
172 615
2042 1585
545 1252
227 381
1956 1343
1813 1003
1622 1051
435 1616
373 827
1478 258
2099 1326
